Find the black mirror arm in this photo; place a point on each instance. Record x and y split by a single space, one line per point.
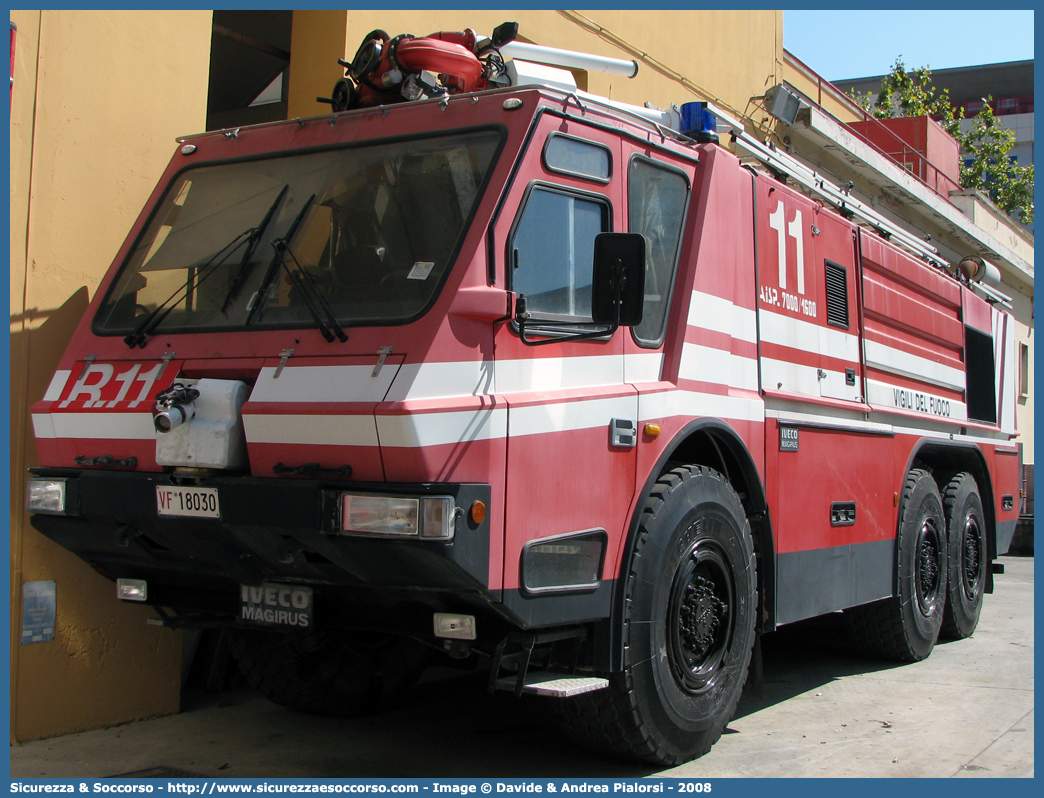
522 317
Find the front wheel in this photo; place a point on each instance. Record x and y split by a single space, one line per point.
688 626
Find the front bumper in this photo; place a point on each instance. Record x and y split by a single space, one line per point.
270 530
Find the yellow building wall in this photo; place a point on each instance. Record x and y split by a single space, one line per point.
728 56
97 101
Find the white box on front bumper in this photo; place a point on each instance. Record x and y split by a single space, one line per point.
213 437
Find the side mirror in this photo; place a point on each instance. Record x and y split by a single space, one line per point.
618 290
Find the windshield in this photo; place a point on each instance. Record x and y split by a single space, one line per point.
366 234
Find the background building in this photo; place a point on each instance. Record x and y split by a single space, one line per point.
97 100
1007 87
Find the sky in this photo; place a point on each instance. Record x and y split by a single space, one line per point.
851 44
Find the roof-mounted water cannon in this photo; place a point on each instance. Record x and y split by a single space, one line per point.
397 69
404 68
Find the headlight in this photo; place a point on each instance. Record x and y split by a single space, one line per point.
429 517
132 590
46 495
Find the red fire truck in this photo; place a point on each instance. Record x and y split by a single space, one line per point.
483 365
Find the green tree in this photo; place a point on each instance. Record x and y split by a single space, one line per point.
986 165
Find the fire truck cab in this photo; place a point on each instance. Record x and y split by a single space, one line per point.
479 364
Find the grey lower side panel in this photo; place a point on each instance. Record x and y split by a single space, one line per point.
532 611
811 583
1005 532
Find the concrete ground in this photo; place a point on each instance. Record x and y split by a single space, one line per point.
966 711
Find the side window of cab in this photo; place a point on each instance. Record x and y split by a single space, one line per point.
657 197
552 251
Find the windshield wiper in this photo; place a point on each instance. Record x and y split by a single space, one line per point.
248 253
280 246
305 284
140 335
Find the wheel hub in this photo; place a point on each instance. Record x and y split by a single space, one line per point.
971 559
928 570
702 614
700 617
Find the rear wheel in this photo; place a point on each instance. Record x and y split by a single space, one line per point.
968 556
328 671
906 627
688 626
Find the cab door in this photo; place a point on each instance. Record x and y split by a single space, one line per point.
571 414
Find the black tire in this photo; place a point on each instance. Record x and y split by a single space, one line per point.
966 530
688 626
906 627
328 671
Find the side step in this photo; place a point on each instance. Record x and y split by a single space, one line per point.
554 685
542 663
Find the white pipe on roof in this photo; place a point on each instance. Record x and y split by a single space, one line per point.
569 58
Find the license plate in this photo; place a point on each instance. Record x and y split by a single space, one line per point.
187 502
276 605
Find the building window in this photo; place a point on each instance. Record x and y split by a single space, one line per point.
1024 370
